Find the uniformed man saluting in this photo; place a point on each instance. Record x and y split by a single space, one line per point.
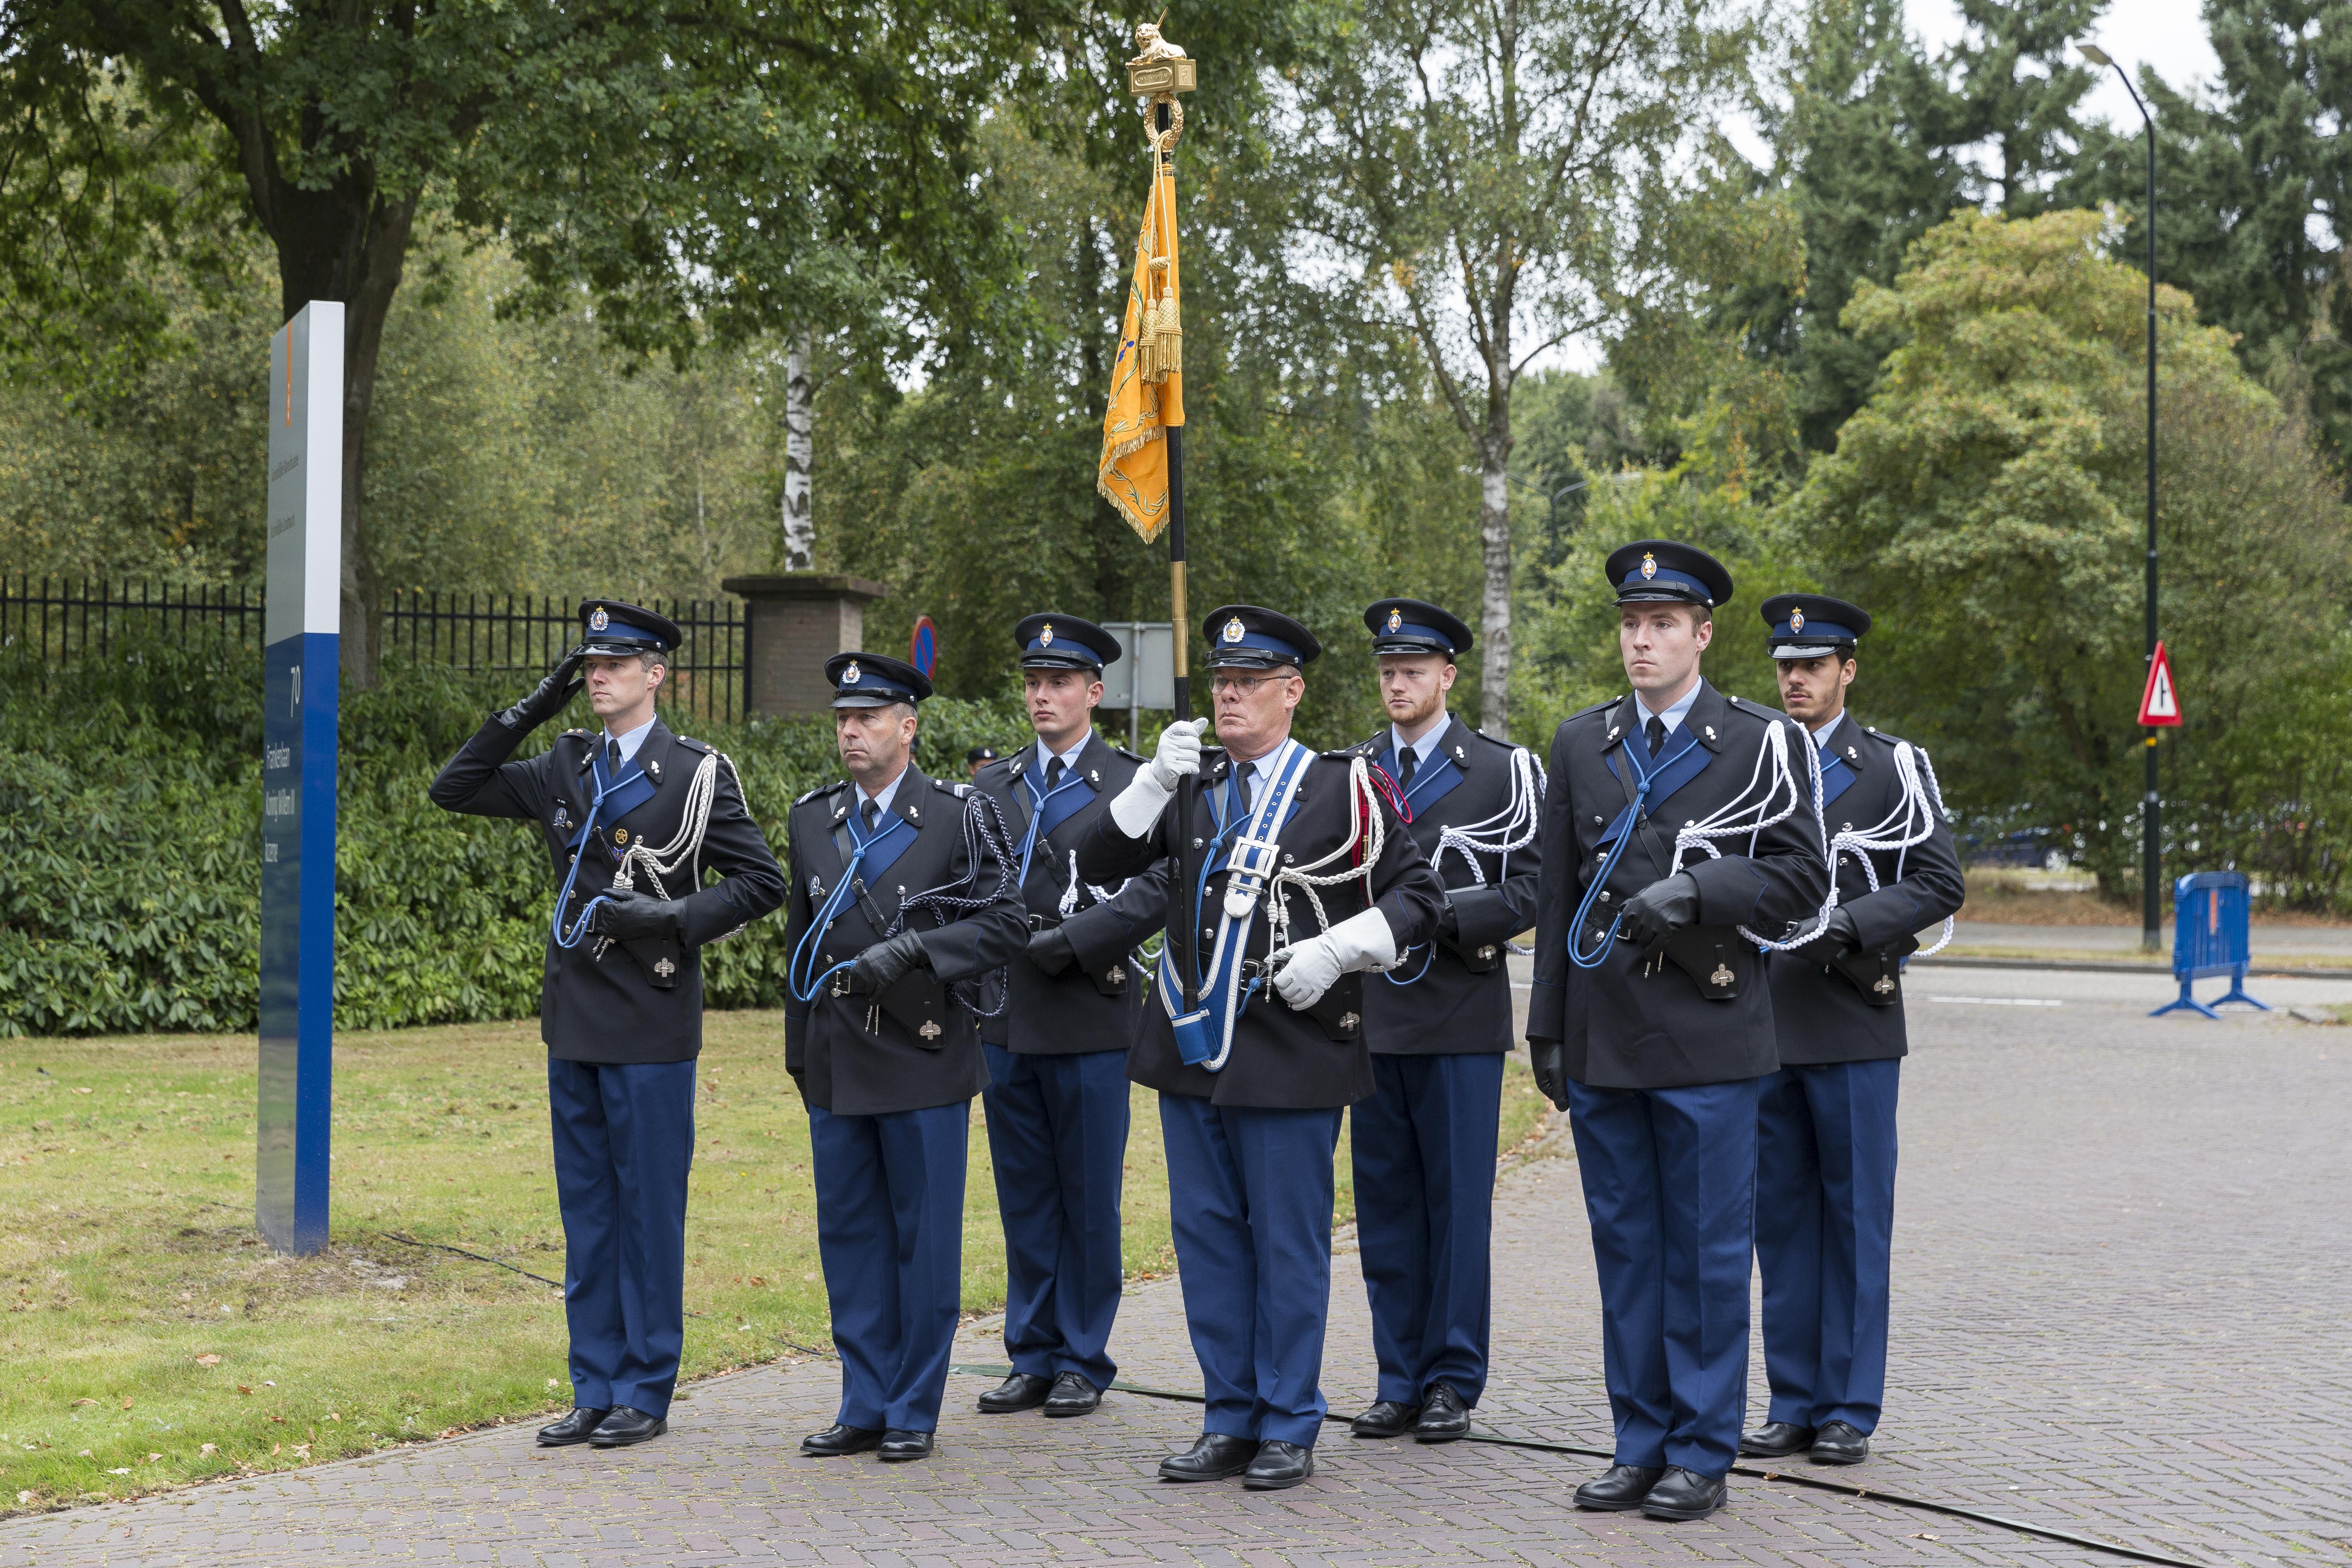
1826 1129
632 816
1678 827
1057 1097
901 902
1291 876
1438 1025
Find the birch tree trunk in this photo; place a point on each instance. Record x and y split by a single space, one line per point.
1494 605
800 454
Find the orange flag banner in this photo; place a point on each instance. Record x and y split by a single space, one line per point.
1147 381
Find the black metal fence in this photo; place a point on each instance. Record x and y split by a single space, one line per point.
490 633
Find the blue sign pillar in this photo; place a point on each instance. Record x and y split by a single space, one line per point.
300 649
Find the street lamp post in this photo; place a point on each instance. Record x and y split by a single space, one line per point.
2151 819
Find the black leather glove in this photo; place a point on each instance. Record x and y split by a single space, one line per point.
548 698
1549 1059
1839 935
1660 910
1051 951
631 914
886 963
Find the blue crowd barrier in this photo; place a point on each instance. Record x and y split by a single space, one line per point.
2212 913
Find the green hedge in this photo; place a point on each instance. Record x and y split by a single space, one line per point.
130 802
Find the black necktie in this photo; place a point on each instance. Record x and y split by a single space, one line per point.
1656 731
1241 787
1052 774
1405 766
872 812
612 758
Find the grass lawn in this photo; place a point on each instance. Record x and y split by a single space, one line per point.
148 1339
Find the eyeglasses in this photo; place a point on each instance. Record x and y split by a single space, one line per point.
1241 683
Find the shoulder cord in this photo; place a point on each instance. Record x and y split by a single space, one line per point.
1513 827
1912 820
1371 837
1069 905
1734 819
983 825
684 851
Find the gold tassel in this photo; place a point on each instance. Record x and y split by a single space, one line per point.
1160 337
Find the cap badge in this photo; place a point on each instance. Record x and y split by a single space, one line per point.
1649 566
598 620
1396 619
1234 629
850 676
1796 620
1046 638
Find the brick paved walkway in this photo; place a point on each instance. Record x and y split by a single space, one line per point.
2124 1308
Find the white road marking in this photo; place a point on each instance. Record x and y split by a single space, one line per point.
2001 1001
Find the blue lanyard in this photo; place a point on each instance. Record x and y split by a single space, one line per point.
1037 815
581 846
1645 775
830 910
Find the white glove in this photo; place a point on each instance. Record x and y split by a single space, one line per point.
1139 805
1312 967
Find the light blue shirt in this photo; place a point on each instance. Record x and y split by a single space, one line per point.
883 799
629 742
1069 758
1822 736
1673 716
1421 748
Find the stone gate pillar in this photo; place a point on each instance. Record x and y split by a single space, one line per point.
793 622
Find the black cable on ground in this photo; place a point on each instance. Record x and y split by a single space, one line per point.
1951 1511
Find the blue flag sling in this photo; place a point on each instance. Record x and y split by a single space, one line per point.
1654 783
1245 845
1836 778
1433 781
1049 808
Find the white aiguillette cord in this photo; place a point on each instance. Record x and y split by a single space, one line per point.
1736 818
684 851
1512 828
1912 820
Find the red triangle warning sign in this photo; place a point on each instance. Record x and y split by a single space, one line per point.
2159 704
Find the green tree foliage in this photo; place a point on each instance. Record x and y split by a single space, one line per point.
2254 184
1497 180
1985 503
134 903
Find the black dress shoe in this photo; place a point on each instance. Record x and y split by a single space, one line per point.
1684 1494
1620 1488
1072 1395
1212 1457
1776 1440
838 1439
1444 1416
1278 1465
899 1445
1022 1390
1387 1418
623 1425
1839 1443
572 1428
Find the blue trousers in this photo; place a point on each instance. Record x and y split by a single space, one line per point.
1057 1137
1249 1196
1825 1232
623 1144
889 1229
1423 1147
1670 1188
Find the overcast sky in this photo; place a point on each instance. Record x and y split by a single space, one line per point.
2167 33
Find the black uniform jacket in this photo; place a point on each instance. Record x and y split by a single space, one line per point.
916 1044
1097 1003
1824 1015
611 1002
1699 1012
1281 1059
1460 1003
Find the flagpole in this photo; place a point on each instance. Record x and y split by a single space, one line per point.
1180 628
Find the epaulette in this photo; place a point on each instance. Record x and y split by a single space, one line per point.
693 745
1596 708
821 789
575 732
1132 757
1875 733
957 790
